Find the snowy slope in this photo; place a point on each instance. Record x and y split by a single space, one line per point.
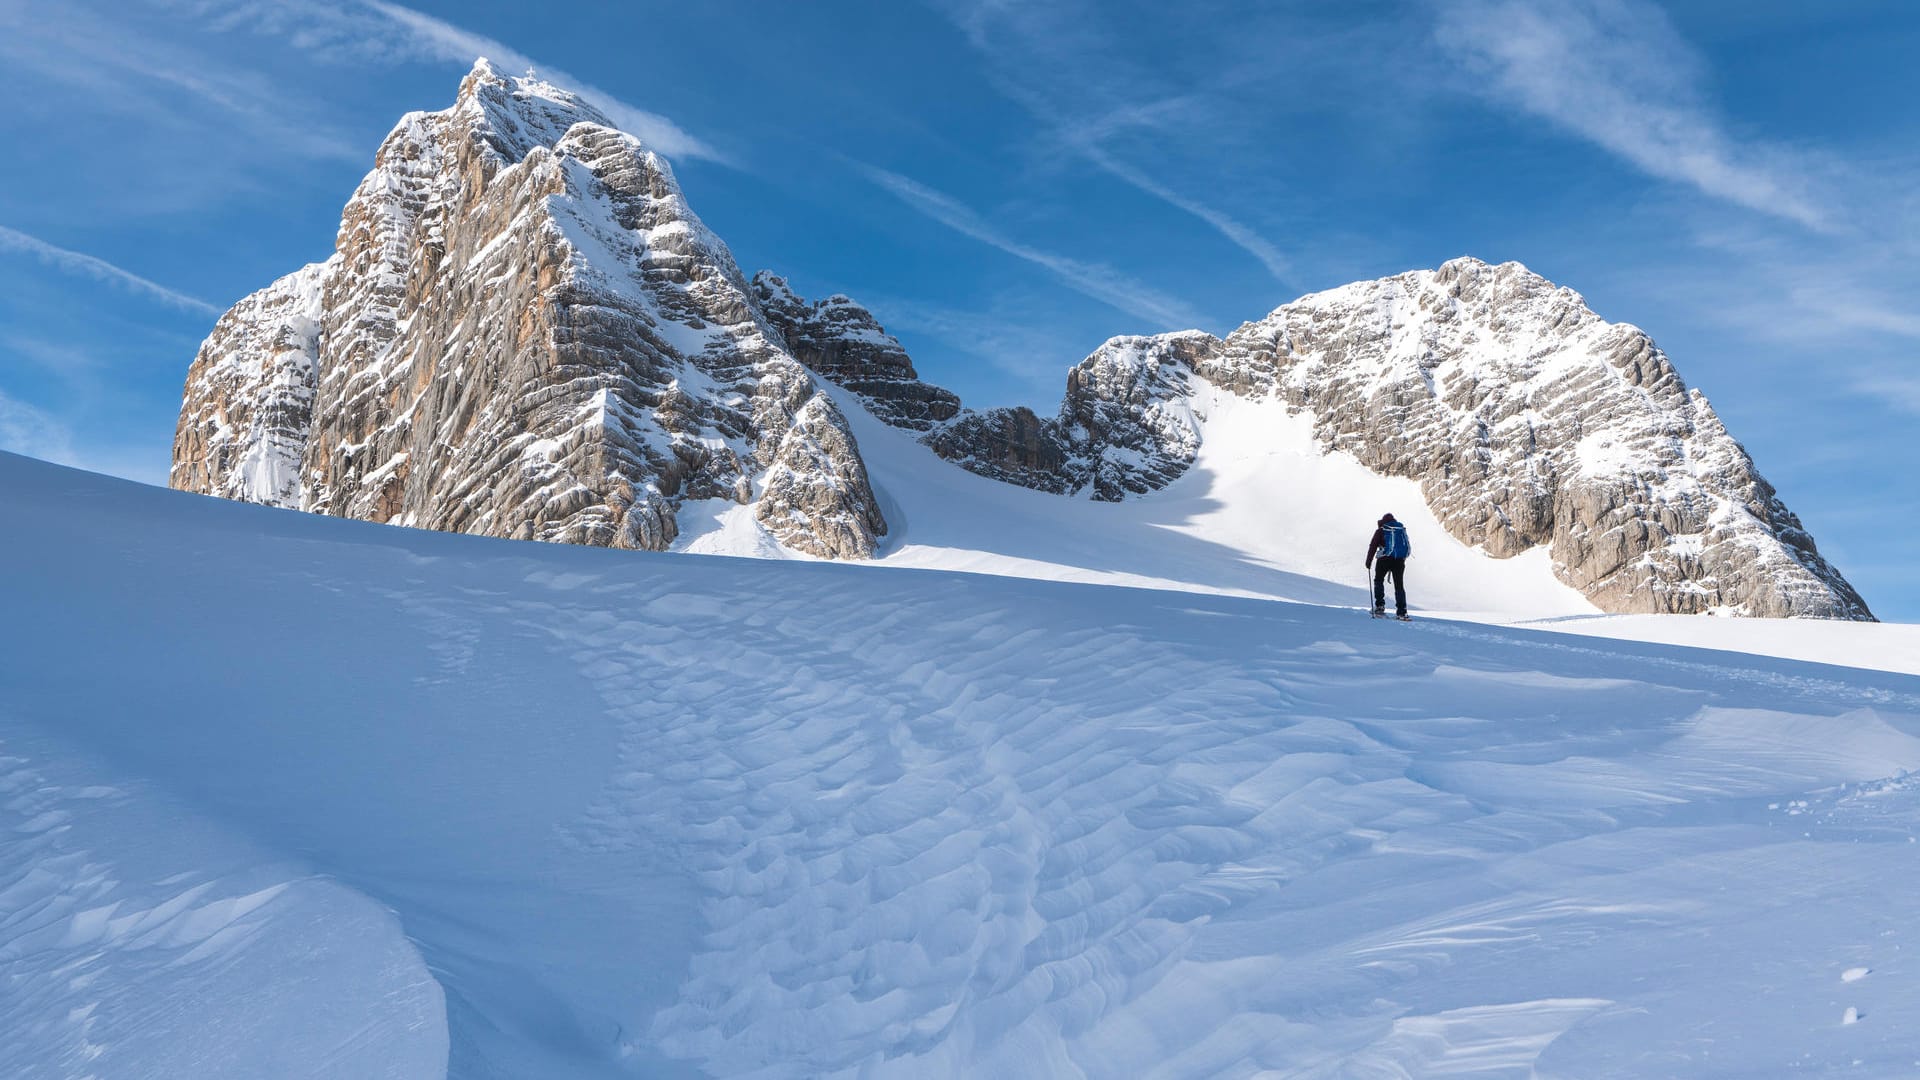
296 796
1262 512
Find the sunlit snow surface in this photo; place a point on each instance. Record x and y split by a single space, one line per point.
1263 512
289 796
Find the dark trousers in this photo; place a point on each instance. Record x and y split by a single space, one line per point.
1383 566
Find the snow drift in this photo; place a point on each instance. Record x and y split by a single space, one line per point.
295 796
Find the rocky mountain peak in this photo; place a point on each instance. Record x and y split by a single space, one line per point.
1528 420
1531 421
524 331
515 114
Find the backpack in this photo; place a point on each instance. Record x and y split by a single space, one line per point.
1393 542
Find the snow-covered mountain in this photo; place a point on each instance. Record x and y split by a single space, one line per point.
525 332
285 795
1528 421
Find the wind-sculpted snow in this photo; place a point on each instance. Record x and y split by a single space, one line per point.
141 940
648 814
525 331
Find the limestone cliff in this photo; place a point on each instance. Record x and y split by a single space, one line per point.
524 332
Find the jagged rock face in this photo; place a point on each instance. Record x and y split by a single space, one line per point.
1528 420
843 341
1013 445
1127 419
525 332
249 400
1125 427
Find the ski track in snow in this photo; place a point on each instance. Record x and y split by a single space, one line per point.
641 815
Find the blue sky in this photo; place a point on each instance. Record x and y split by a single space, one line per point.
1008 184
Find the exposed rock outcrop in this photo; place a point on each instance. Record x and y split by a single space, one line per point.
524 332
843 341
1012 444
1127 417
1125 426
249 402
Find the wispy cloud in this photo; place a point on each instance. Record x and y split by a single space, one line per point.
1879 334
1862 312
1245 238
1617 74
74 262
59 358
1811 317
379 30
1033 50
1010 336
1102 283
1900 391
33 432
120 67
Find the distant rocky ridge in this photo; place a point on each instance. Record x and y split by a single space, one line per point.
526 332
843 341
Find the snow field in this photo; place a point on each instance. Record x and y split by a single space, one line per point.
1263 513
652 815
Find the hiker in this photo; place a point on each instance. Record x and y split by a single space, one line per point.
1390 545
